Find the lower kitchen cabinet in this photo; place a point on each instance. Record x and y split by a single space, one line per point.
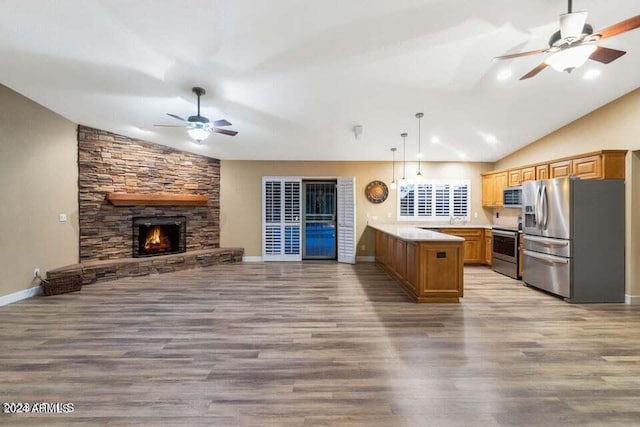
488 247
430 271
473 243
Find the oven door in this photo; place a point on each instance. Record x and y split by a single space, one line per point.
505 245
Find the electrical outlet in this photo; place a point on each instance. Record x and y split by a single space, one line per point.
475 215
363 247
389 214
36 272
62 217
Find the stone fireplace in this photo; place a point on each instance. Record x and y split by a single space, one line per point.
154 236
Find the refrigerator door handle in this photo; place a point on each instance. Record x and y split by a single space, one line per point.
548 258
545 202
546 241
538 210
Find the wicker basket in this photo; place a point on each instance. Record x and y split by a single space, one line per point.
61 285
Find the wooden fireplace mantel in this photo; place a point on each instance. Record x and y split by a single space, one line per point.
157 199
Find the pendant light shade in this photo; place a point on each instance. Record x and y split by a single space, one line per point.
393 165
404 158
419 176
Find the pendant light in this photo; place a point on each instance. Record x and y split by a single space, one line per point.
404 158
393 165
419 176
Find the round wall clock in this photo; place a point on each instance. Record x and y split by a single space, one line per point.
376 192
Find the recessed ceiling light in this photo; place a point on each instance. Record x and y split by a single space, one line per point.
490 139
591 74
419 155
504 74
435 140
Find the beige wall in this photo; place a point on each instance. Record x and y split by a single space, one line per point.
613 126
241 194
38 172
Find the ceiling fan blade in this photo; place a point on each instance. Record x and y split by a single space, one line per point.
222 122
534 72
176 117
517 55
620 27
606 55
225 132
171 126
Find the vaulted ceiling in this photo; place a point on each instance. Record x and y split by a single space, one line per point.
294 76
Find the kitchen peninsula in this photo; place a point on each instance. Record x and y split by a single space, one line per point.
427 264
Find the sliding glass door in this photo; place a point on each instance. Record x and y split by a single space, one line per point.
319 219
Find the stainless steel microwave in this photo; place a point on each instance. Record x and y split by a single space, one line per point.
512 197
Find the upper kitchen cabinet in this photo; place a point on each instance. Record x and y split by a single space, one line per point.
493 185
488 185
529 173
560 169
605 164
542 171
515 177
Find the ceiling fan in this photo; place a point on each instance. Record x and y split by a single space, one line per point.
576 42
199 127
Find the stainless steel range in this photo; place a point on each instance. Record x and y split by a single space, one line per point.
505 250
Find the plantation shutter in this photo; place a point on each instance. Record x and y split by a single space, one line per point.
460 200
425 199
281 219
442 198
347 220
407 200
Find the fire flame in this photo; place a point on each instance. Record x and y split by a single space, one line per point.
156 241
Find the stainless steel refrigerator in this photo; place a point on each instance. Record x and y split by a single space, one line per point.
574 238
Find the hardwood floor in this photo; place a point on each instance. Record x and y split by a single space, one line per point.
318 344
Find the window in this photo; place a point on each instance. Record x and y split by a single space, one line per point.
434 200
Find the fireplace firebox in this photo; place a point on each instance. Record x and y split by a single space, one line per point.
154 236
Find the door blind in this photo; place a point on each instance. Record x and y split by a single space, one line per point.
281 219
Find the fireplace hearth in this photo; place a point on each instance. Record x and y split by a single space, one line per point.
154 236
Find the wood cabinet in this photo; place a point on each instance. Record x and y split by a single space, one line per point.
492 187
542 172
514 177
528 174
473 243
488 182
488 247
427 271
589 167
399 257
498 188
560 169
604 164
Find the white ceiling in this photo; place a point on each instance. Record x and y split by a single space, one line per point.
294 76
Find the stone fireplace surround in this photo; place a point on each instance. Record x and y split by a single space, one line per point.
109 163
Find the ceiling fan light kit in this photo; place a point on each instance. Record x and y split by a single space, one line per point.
570 58
199 127
576 42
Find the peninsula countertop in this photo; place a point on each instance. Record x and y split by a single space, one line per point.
412 233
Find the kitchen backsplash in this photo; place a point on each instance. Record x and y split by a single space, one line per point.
506 217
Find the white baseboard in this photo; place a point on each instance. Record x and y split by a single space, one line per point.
366 259
251 259
20 295
632 299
